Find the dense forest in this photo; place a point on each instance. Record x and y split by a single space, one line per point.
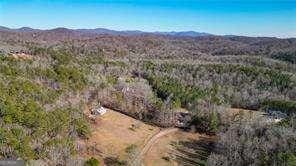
148 77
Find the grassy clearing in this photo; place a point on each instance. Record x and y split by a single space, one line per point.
166 151
113 133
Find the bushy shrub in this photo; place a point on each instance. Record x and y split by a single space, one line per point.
92 162
71 77
62 57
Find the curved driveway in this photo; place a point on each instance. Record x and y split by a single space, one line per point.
151 142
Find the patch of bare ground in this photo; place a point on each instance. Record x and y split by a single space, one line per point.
22 56
112 133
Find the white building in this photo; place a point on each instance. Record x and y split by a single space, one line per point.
98 111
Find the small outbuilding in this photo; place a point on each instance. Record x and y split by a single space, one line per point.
98 111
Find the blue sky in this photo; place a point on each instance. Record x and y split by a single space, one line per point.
238 17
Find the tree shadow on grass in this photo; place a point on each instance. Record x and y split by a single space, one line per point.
192 152
114 161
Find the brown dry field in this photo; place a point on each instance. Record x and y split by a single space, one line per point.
112 133
163 148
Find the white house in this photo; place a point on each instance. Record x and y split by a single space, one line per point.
98 111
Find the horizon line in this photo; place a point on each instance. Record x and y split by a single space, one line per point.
144 31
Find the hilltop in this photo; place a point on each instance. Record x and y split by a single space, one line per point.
110 32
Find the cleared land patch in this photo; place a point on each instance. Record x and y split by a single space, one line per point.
170 150
112 133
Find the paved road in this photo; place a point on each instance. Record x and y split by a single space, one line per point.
151 142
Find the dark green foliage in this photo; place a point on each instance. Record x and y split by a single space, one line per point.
61 57
214 122
148 65
8 66
37 124
8 70
24 121
92 162
237 85
81 127
288 107
277 79
111 79
183 94
285 56
39 50
17 139
22 100
131 148
208 123
93 59
166 158
46 73
71 77
114 161
62 120
288 158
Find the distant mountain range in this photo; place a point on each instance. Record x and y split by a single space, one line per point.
108 31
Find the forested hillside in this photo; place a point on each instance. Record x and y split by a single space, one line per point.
149 77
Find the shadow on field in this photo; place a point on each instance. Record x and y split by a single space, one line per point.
114 161
192 152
